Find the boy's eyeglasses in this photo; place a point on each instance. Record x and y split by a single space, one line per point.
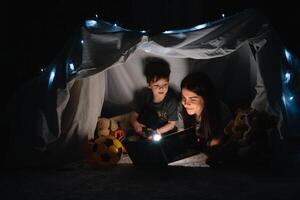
165 86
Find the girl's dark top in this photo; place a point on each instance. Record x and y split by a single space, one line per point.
187 121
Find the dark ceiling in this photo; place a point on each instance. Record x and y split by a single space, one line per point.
33 34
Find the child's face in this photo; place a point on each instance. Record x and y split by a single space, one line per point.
159 88
193 103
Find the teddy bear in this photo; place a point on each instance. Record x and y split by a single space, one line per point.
249 125
246 140
238 128
250 135
105 126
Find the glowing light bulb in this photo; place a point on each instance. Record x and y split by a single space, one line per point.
288 55
71 66
200 26
51 77
168 32
287 77
90 23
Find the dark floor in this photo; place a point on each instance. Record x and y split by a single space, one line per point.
186 179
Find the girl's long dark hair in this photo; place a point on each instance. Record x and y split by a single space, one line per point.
202 85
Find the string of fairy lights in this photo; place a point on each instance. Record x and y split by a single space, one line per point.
288 76
290 72
96 24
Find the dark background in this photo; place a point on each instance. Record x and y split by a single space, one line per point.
34 32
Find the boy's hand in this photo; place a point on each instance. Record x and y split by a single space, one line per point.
153 132
138 127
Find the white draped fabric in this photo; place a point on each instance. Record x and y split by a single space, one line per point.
99 71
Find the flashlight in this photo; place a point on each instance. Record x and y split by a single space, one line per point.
156 137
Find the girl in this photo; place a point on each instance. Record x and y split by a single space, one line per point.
203 110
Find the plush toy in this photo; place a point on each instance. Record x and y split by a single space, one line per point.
123 122
105 126
110 126
247 140
118 133
238 128
249 125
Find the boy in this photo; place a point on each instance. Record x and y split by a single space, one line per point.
156 107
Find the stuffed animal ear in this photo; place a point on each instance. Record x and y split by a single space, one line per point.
240 122
228 128
237 111
114 125
124 121
103 123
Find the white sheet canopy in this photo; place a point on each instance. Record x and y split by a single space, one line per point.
100 69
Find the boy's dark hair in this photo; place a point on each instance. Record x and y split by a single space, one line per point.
156 68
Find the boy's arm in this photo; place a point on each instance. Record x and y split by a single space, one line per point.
138 127
167 127
172 116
